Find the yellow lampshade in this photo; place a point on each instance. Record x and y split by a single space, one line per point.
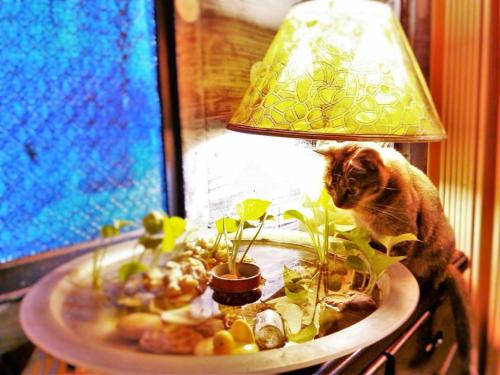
339 69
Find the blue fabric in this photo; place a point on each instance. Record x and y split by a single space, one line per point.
80 125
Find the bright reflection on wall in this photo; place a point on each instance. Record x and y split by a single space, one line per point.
240 166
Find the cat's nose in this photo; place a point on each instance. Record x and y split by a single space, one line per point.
333 194
340 200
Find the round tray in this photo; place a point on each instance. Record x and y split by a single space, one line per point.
94 347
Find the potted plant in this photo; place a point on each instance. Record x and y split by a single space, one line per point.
237 276
333 232
160 233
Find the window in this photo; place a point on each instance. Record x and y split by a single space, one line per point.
80 121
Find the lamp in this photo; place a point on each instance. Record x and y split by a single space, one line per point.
339 69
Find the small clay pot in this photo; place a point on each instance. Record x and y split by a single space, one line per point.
249 278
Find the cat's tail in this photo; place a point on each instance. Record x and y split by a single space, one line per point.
456 288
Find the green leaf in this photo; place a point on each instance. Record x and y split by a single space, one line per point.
178 225
294 214
318 217
350 247
270 217
120 224
291 314
108 231
172 229
361 234
307 202
312 225
252 209
295 289
328 316
310 316
150 242
168 241
230 224
290 275
246 224
356 263
360 237
324 198
390 241
305 334
337 247
331 228
380 262
323 202
131 268
153 222
342 217
366 249
343 227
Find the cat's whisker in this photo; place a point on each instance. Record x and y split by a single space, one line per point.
388 208
388 188
396 214
387 213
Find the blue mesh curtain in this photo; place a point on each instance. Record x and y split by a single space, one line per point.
80 125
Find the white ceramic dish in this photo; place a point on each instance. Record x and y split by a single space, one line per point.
43 320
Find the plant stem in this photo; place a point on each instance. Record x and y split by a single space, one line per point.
154 260
156 257
101 258
370 271
325 286
325 236
371 284
316 300
313 239
253 239
230 259
217 241
363 282
95 270
236 242
353 275
318 238
141 255
322 271
225 238
315 274
237 247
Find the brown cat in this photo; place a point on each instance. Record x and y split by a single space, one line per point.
391 197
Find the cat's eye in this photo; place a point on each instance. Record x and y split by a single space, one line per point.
351 180
358 171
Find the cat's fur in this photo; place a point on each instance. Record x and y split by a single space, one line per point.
391 197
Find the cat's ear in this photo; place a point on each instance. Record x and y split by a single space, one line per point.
327 148
322 151
368 159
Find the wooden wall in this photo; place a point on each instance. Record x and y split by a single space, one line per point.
493 334
218 41
464 83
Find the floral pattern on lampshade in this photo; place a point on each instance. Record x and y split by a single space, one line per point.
339 69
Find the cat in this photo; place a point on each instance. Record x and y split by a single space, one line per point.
390 196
